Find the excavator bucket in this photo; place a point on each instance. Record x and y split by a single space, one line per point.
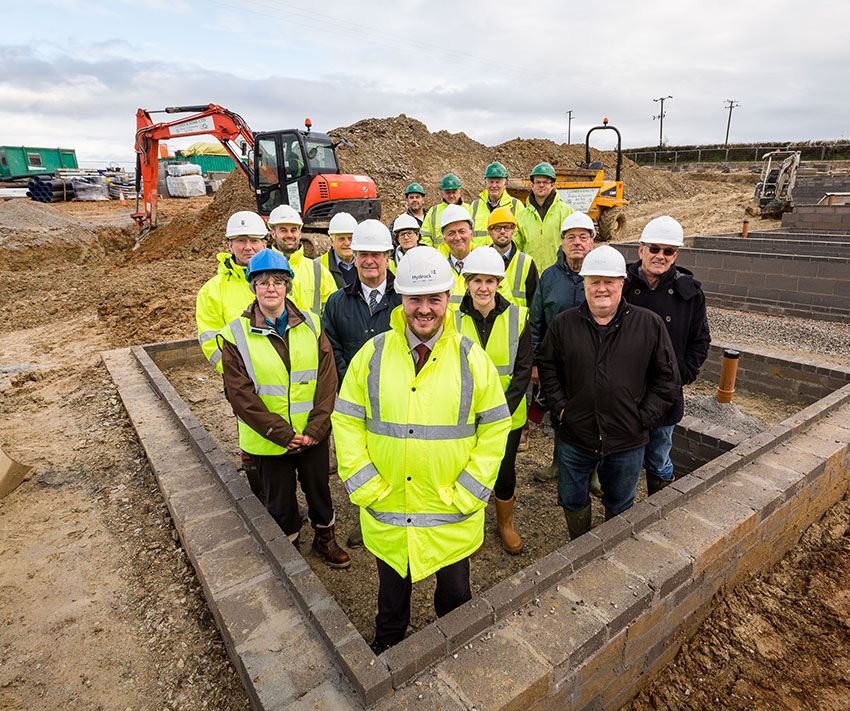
11 474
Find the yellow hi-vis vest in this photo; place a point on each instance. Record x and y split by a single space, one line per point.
516 275
431 234
419 452
222 299
288 394
501 347
481 214
312 283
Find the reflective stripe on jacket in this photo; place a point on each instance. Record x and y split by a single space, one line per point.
288 394
222 299
481 213
419 453
431 233
309 273
516 276
541 238
501 347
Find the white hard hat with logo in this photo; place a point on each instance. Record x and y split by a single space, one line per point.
663 230
285 215
578 221
603 261
423 270
342 224
405 222
245 224
484 260
371 236
454 213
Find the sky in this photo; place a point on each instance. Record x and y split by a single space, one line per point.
74 72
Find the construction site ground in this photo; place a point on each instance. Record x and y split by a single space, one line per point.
99 607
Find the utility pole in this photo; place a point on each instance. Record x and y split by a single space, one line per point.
732 104
661 116
569 124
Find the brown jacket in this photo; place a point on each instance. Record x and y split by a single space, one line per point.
248 406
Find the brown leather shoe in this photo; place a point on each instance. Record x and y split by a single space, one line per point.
324 543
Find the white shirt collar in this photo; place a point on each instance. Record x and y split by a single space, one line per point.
382 289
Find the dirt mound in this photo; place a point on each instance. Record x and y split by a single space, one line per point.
152 302
396 151
706 407
198 233
32 233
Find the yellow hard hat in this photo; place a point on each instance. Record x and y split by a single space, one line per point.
499 216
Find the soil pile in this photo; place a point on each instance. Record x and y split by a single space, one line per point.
198 233
32 233
397 151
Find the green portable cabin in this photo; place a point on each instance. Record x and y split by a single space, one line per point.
208 163
26 160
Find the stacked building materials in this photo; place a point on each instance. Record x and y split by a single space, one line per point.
50 190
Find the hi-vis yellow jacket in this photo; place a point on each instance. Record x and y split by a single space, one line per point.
516 277
501 347
419 453
481 214
431 234
312 283
541 239
288 394
222 299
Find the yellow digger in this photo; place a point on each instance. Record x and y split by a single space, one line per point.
585 189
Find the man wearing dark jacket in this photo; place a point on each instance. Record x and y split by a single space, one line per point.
560 288
656 283
609 374
362 310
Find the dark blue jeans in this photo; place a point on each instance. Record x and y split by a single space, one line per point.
656 459
618 475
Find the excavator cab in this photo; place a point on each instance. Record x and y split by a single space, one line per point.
300 168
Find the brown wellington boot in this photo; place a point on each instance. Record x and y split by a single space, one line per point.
511 541
324 543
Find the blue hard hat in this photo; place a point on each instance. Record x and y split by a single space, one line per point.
268 260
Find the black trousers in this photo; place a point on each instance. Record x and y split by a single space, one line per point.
394 598
506 479
279 473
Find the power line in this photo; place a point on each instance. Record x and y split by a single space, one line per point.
732 104
661 116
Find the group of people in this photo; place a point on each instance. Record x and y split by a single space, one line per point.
420 346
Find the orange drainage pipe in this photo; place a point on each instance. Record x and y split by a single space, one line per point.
728 372
746 229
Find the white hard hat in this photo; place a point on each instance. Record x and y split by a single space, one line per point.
663 230
423 270
245 223
484 260
371 236
285 215
405 222
454 213
342 224
578 221
603 261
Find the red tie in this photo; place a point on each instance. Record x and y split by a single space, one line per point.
423 352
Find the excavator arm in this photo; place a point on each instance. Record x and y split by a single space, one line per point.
210 119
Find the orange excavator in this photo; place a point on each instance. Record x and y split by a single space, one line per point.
293 167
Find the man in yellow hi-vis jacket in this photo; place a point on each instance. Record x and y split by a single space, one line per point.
420 425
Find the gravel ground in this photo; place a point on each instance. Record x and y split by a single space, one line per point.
827 340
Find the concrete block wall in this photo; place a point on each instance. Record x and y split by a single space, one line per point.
585 627
802 286
818 218
809 189
769 245
780 234
788 378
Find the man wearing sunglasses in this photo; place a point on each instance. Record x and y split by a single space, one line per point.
658 284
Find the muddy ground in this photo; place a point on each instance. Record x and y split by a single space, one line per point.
99 607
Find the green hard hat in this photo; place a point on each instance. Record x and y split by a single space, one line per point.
496 170
450 182
544 169
414 188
